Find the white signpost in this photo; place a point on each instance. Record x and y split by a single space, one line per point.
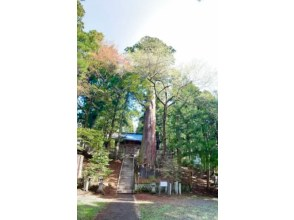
163 184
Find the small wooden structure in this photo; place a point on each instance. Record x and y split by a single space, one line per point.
127 144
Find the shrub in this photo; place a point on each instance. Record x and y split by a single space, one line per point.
146 188
171 170
93 140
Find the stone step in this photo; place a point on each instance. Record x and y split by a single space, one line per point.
126 173
125 187
126 180
125 191
125 184
129 176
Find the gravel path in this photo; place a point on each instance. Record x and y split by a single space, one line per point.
121 208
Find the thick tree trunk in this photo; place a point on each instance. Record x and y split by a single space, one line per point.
148 146
164 129
142 153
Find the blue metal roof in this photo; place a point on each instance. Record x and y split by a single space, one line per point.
132 136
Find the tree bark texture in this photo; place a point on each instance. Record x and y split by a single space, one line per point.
164 129
148 147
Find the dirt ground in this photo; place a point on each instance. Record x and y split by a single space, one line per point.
112 180
110 183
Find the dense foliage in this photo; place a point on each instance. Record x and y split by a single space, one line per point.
106 95
113 89
91 141
193 128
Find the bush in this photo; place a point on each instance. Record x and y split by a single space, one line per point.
171 170
98 164
90 138
185 188
146 188
187 163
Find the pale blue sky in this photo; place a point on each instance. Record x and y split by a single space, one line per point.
189 26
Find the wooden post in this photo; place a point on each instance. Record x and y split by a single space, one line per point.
86 184
176 188
153 187
80 166
180 189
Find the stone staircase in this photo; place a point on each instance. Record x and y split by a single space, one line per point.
126 177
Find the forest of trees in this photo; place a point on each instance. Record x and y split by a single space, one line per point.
142 83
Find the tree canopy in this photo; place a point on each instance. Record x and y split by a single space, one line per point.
173 109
